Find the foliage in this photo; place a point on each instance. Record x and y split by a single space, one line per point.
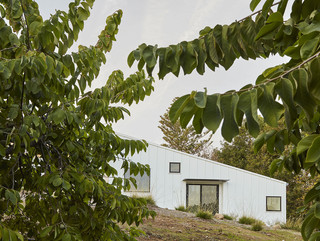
55 151
181 208
204 214
290 91
247 220
147 199
257 226
184 138
240 153
227 217
293 224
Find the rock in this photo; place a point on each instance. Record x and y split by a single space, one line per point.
218 216
276 226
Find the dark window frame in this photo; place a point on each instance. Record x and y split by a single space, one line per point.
273 197
170 171
187 192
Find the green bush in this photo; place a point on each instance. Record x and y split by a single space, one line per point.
181 208
257 226
227 217
247 220
204 214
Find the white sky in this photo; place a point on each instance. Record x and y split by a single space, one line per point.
164 22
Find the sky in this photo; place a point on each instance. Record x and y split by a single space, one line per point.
164 22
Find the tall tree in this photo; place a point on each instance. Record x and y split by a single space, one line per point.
55 151
290 91
184 139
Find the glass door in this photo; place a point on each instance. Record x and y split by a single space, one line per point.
203 196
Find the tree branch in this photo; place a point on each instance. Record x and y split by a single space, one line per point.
257 12
280 76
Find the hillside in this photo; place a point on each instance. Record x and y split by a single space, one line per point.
175 225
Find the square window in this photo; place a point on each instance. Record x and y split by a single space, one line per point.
174 167
273 203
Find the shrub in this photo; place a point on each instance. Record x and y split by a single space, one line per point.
226 216
257 226
204 214
247 220
147 199
181 208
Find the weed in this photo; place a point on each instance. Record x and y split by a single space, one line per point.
247 220
204 214
181 208
226 216
257 226
293 224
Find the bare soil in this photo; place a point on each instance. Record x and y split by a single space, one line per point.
176 225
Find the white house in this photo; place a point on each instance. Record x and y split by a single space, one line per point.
177 178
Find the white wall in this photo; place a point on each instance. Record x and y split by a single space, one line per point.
243 194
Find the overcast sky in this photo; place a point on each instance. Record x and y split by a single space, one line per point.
164 22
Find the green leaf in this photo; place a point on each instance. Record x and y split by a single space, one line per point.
130 59
312 194
35 27
309 48
58 116
302 96
274 166
2 150
285 90
197 122
149 57
177 107
57 181
309 224
211 47
273 22
211 113
248 105
282 6
266 7
313 154
190 58
200 99
228 106
13 111
254 4
305 143
270 109
45 231
317 211
11 196
83 14
66 237
315 236
314 83
5 234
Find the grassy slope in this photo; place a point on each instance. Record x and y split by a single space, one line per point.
169 225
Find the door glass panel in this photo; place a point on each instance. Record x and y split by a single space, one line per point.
210 198
194 196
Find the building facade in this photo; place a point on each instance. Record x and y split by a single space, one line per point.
177 179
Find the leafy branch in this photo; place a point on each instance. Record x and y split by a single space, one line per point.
257 12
